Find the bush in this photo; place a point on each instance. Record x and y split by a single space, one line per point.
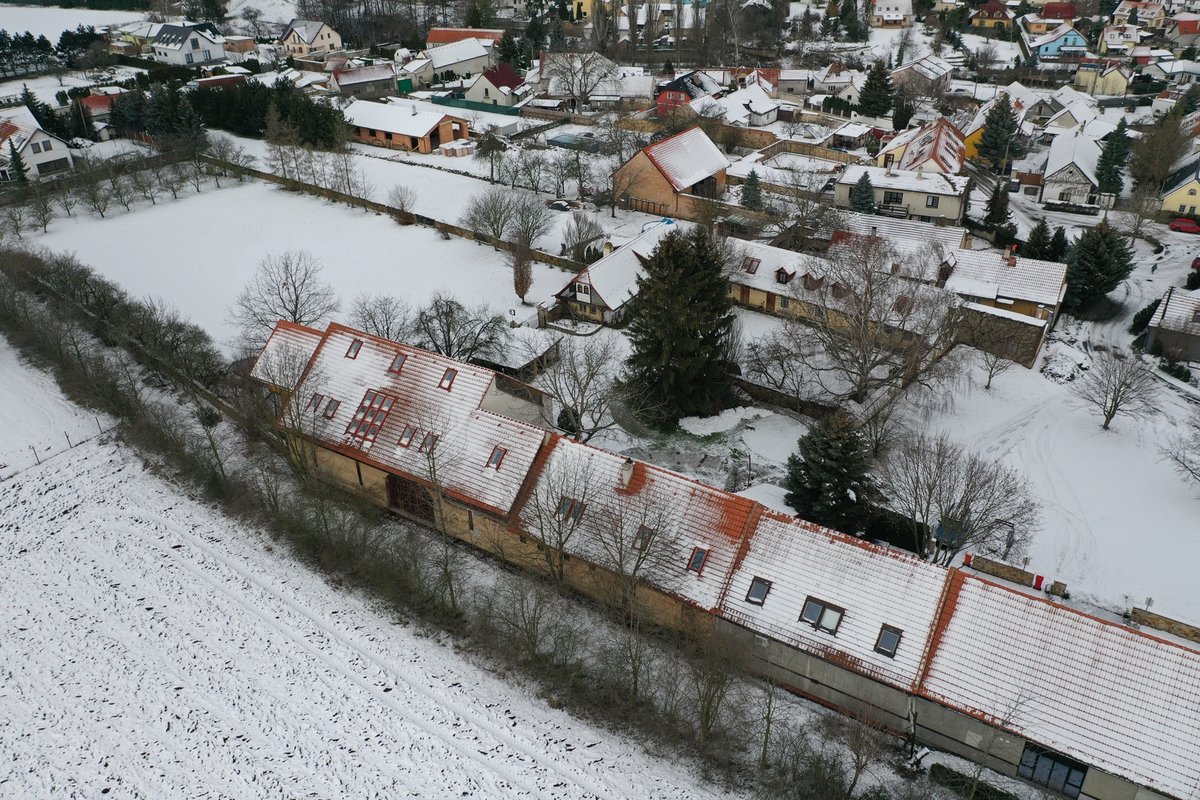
1142 318
1175 370
1193 280
960 784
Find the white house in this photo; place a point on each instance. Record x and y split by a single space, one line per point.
498 86
188 44
891 14
749 107
43 153
305 36
464 58
1070 173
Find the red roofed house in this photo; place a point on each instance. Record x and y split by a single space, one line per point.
936 146
498 86
1183 29
440 36
668 177
992 14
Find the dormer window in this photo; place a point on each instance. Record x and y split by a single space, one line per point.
407 436
783 277
583 289
750 265
428 443
352 350
570 508
888 641
314 402
696 561
642 538
497 457
331 408
397 363
759 589
448 379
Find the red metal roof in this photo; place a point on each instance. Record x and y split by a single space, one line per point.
452 35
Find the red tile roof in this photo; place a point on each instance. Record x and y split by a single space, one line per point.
503 75
452 35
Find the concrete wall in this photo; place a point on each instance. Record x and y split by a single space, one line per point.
1181 346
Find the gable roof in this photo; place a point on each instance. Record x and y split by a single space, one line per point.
906 235
174 36
1179 311
986 273
1073 148
737 107
686 158
444 36
1065 29
904 180
502 76
929 67
614 278
286 354
695 84
392 118
367 74
1059 11
937 145
305 29
448 55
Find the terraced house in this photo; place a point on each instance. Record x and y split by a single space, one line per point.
992 670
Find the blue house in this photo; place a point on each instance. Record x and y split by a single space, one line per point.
1061 44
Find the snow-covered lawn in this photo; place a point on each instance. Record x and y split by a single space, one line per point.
47 87
199 251
50 21
155 648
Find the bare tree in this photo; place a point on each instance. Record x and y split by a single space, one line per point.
142 182
583 384
867 744
578 75
775 362
1183 450
402 198
1116 383
490 212
95 194
1143 205
999 341
382 315
977 503
520 260
620 182
64 197
41 207
636 539
710 676
169 178
581 235
805 204
532 166
287 286
120 190
448 327
557 506
16 219
531 220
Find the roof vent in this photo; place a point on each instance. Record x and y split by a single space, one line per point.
626 473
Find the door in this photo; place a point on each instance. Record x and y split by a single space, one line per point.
770 302
745 295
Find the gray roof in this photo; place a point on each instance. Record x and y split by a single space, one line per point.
306 29
176 35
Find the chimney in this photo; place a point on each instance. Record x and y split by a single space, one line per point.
1012 256
921 173
626 473
414 110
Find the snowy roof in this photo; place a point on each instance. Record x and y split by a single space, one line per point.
614 278
502 76
736 107
1054 35
445 36
306 29
907 235
694 84
174 36
987 273
1179 311
682 513
286 354
936 145
1073 148
929 67
875 585
686 158
852 130
760 264
1094 690
415 66
467 433
392 118
1078 113
367 74
1004 313
447 55
905 181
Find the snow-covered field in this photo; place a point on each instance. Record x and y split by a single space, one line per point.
198 252
155 648
50 22
47 87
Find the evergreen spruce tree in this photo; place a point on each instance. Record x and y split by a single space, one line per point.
902 110
679 327
1121 136
997 206
875 100
189 129
862 195
827 480
1096 265
46 117
16 165
752 192
1111 165
509 50
1038 243
1058 245
848 19
999 144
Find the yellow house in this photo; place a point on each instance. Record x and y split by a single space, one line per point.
1182 192
305 36
973 132
1102 76
672 177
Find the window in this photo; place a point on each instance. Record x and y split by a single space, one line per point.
352 350
585 289
485 92
931 201
1196 315
35 147
822 615
784 301
331 408
570 508
397 363
888 641
47 146
207 55
407 436
496 457
428 443
759 588
750 265
1191 191
314 402
696 562
893 198
195 44
372 413
643 537
448 379
187 57
1052 770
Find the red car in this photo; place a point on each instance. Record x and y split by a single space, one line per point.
1185 225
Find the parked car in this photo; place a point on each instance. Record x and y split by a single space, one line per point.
1185 225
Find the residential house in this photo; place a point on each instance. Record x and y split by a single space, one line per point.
460 59
134 38
1182 72
305 36
1181 191
1049 17
1072 117
1175 326
833 79
909 236
188 44
1103 76
401 127
1147 15
683 91
891 14
1027 286
936 146
750 107
920 195
972 130
1064 43
437 37
498 86
992 15
99 108
674 176
600 292
365 83
590 79
942 655
1119 39
1069 177
927 76
1183 31
43 153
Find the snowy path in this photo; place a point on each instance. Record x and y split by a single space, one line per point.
153 647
